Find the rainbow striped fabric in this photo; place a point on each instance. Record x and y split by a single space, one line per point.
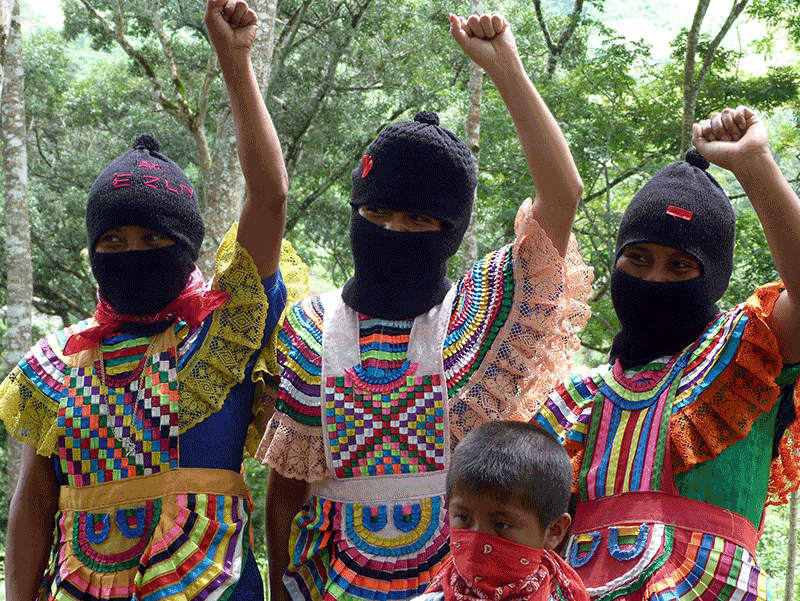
481 307
166 545
109 432
130 522
383 420
621 431
342 550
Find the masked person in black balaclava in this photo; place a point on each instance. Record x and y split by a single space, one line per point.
136 419
661 314
381 377
411 205
680 441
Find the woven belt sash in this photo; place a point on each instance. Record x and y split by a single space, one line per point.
640 507
155 486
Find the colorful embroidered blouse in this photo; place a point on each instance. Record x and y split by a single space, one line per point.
130 422
512 333
374 438
674 461
725 414
30 395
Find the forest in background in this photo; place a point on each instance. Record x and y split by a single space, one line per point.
334 73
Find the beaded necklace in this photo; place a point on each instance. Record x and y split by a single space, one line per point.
108 381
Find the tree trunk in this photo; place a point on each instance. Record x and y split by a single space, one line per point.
19 290
226 189
469 248
791 546
264 46
692 78
6 7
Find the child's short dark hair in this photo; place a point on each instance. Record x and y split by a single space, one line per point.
514 461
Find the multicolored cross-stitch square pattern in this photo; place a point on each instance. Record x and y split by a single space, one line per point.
396 431
113 433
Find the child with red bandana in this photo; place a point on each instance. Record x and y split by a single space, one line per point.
508 491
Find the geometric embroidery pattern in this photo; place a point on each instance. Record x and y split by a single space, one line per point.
112 433
393 429
184 546
145 519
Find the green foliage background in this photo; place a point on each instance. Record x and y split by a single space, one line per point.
618 104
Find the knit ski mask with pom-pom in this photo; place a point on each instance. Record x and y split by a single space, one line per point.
418 167
682 207
146 188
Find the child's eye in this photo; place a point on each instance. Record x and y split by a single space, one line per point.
460 519
501 525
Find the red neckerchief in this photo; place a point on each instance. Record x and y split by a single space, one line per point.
482 566
193 305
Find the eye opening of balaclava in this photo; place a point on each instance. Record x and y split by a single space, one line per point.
419 167
681 207
146 188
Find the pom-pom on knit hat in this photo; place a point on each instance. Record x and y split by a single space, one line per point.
684 207
146 188
419 167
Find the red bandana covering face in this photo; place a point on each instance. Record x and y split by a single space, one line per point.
483 566
193 305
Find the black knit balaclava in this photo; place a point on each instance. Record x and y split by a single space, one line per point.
143 187
682 207
418 167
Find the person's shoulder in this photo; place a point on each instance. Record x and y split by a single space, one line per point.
584 382
300 332
273 283
308 312
42 370
727 328
56 340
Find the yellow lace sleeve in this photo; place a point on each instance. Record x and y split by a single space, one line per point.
236 331
29 396
295 278
27 413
